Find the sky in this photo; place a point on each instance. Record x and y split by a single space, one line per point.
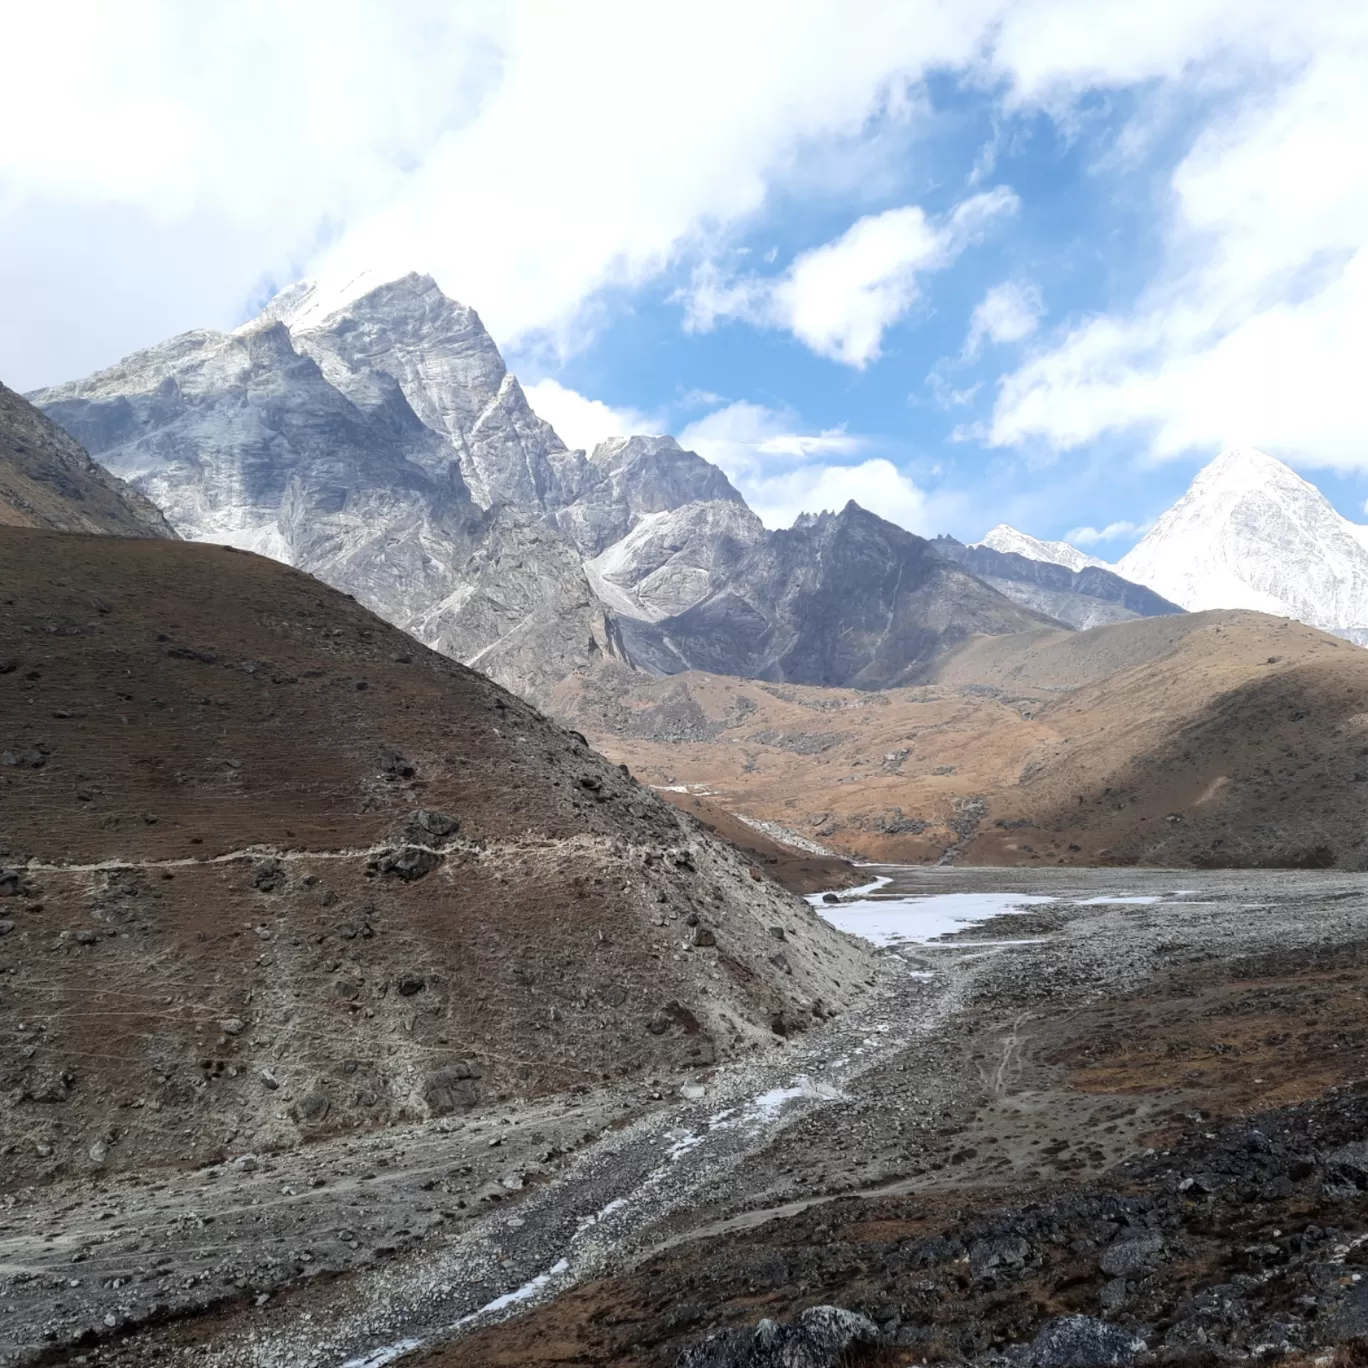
964 262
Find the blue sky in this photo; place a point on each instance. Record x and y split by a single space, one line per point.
1028 261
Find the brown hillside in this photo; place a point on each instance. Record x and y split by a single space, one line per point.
48 480
238 910
1224 738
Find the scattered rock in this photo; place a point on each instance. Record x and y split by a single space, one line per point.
438 825
452 1089
1131 1253
410 863
1082 1342
312 1108
705 937
409 984
231 1026
822 1337
266 875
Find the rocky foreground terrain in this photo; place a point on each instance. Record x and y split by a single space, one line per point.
1206 740
1124 1126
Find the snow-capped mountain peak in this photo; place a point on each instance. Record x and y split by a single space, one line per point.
307 303
1252 533
1007 539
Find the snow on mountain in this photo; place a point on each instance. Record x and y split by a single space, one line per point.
1008 539
1251 533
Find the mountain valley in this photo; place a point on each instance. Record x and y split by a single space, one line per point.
361 1011
1250 748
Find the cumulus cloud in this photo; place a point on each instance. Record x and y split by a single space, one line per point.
783 471
168 161
840 298
1252 331
1007 313
583 422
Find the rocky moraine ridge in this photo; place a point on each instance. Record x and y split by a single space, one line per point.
380 443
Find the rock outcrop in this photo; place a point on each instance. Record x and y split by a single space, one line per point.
840 598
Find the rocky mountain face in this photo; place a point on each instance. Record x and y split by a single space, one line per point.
1088 597
1251 533
48 480
383 447
839 598
378 441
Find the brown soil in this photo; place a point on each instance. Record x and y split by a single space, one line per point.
211 764
1212 739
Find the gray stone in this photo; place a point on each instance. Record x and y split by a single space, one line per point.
452 1089
409 984
1131 1253
410 864
435 824
989 1256
705 937
822 1337
312 1108
1082 1342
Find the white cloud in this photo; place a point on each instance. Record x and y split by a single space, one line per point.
582 422
783 472
1114 531
165 159
1007 313
1252 331
840 298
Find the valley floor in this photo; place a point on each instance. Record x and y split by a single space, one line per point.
1162 1061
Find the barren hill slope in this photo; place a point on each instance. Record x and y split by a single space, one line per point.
48 480
1221 738
271 869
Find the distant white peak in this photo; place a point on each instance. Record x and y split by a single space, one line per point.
1241 469
1007 539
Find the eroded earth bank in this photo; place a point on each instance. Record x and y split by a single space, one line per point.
1123 1124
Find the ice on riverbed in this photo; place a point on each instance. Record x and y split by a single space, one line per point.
521 1294
770 1103
891 921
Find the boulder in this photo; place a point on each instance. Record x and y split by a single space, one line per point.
822 1337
